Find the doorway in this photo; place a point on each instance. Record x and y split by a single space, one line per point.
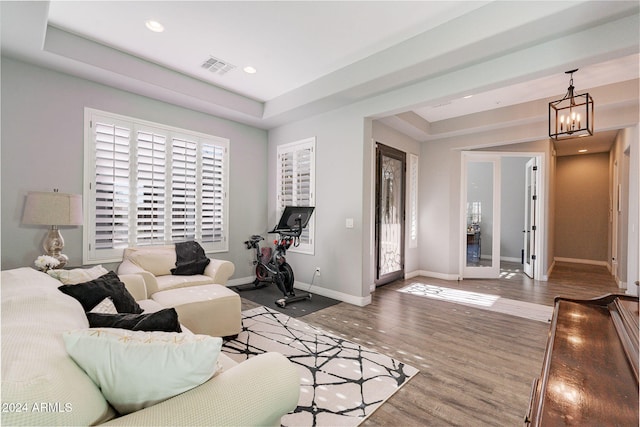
501 201
390 214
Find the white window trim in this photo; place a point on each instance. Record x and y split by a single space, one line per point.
305 144
93 256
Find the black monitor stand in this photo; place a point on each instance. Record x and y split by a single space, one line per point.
293 220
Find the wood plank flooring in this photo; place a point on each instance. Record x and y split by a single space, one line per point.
476 366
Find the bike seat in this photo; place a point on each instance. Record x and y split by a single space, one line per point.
256 238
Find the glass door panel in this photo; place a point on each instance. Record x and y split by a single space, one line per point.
481 216
390 214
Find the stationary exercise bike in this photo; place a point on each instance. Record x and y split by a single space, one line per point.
271 265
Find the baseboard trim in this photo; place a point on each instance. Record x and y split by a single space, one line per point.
240 281
551 267
330 293
443 276
581 261
412 274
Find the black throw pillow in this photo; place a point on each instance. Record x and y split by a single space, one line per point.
93 292
190 259
190 268
165 320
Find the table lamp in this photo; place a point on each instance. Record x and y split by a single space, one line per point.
53 209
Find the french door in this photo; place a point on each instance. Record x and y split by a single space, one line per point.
530 217
390 214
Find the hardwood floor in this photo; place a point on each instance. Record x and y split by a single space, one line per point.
476 366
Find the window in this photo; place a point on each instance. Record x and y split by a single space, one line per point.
296 184
413 201
151 184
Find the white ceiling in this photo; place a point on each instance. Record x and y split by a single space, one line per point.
347 50
290 43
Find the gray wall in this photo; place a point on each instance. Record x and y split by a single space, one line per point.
582 207
340 170
42 149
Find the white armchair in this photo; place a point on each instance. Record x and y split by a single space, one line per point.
154 263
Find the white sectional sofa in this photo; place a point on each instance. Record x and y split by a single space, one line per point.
42 385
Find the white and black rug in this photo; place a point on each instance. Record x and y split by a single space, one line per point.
341 383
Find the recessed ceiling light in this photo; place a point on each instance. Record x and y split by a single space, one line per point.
468 96
582 151
250 70
154 26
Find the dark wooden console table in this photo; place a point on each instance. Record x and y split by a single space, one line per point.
590 370
473 246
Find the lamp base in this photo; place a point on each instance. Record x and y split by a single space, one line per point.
53 245
62 259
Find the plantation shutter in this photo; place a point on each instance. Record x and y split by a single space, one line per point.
286 176
213 193
149 184
111 188
413 201
151 188
183 190
296 186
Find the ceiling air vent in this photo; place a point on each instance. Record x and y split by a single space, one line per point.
217 66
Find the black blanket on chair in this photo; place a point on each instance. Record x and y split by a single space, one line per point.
190 259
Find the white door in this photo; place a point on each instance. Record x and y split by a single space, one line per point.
530 217
480 219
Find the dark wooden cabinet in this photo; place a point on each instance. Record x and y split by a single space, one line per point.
590 369
473 246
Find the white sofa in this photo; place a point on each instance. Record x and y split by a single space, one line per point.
155 264
42 385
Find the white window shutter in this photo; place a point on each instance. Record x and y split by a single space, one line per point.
413 201
150 188
213 192
152 184
296 184
184 188
111 190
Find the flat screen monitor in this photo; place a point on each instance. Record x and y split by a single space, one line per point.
294 217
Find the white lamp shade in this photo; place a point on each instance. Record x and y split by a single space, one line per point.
52 209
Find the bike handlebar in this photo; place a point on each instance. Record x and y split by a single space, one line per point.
253 241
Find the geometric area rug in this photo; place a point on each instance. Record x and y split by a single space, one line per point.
341 382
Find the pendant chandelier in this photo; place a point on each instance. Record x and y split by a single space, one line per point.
571 116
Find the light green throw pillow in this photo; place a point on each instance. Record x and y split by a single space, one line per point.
136 369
